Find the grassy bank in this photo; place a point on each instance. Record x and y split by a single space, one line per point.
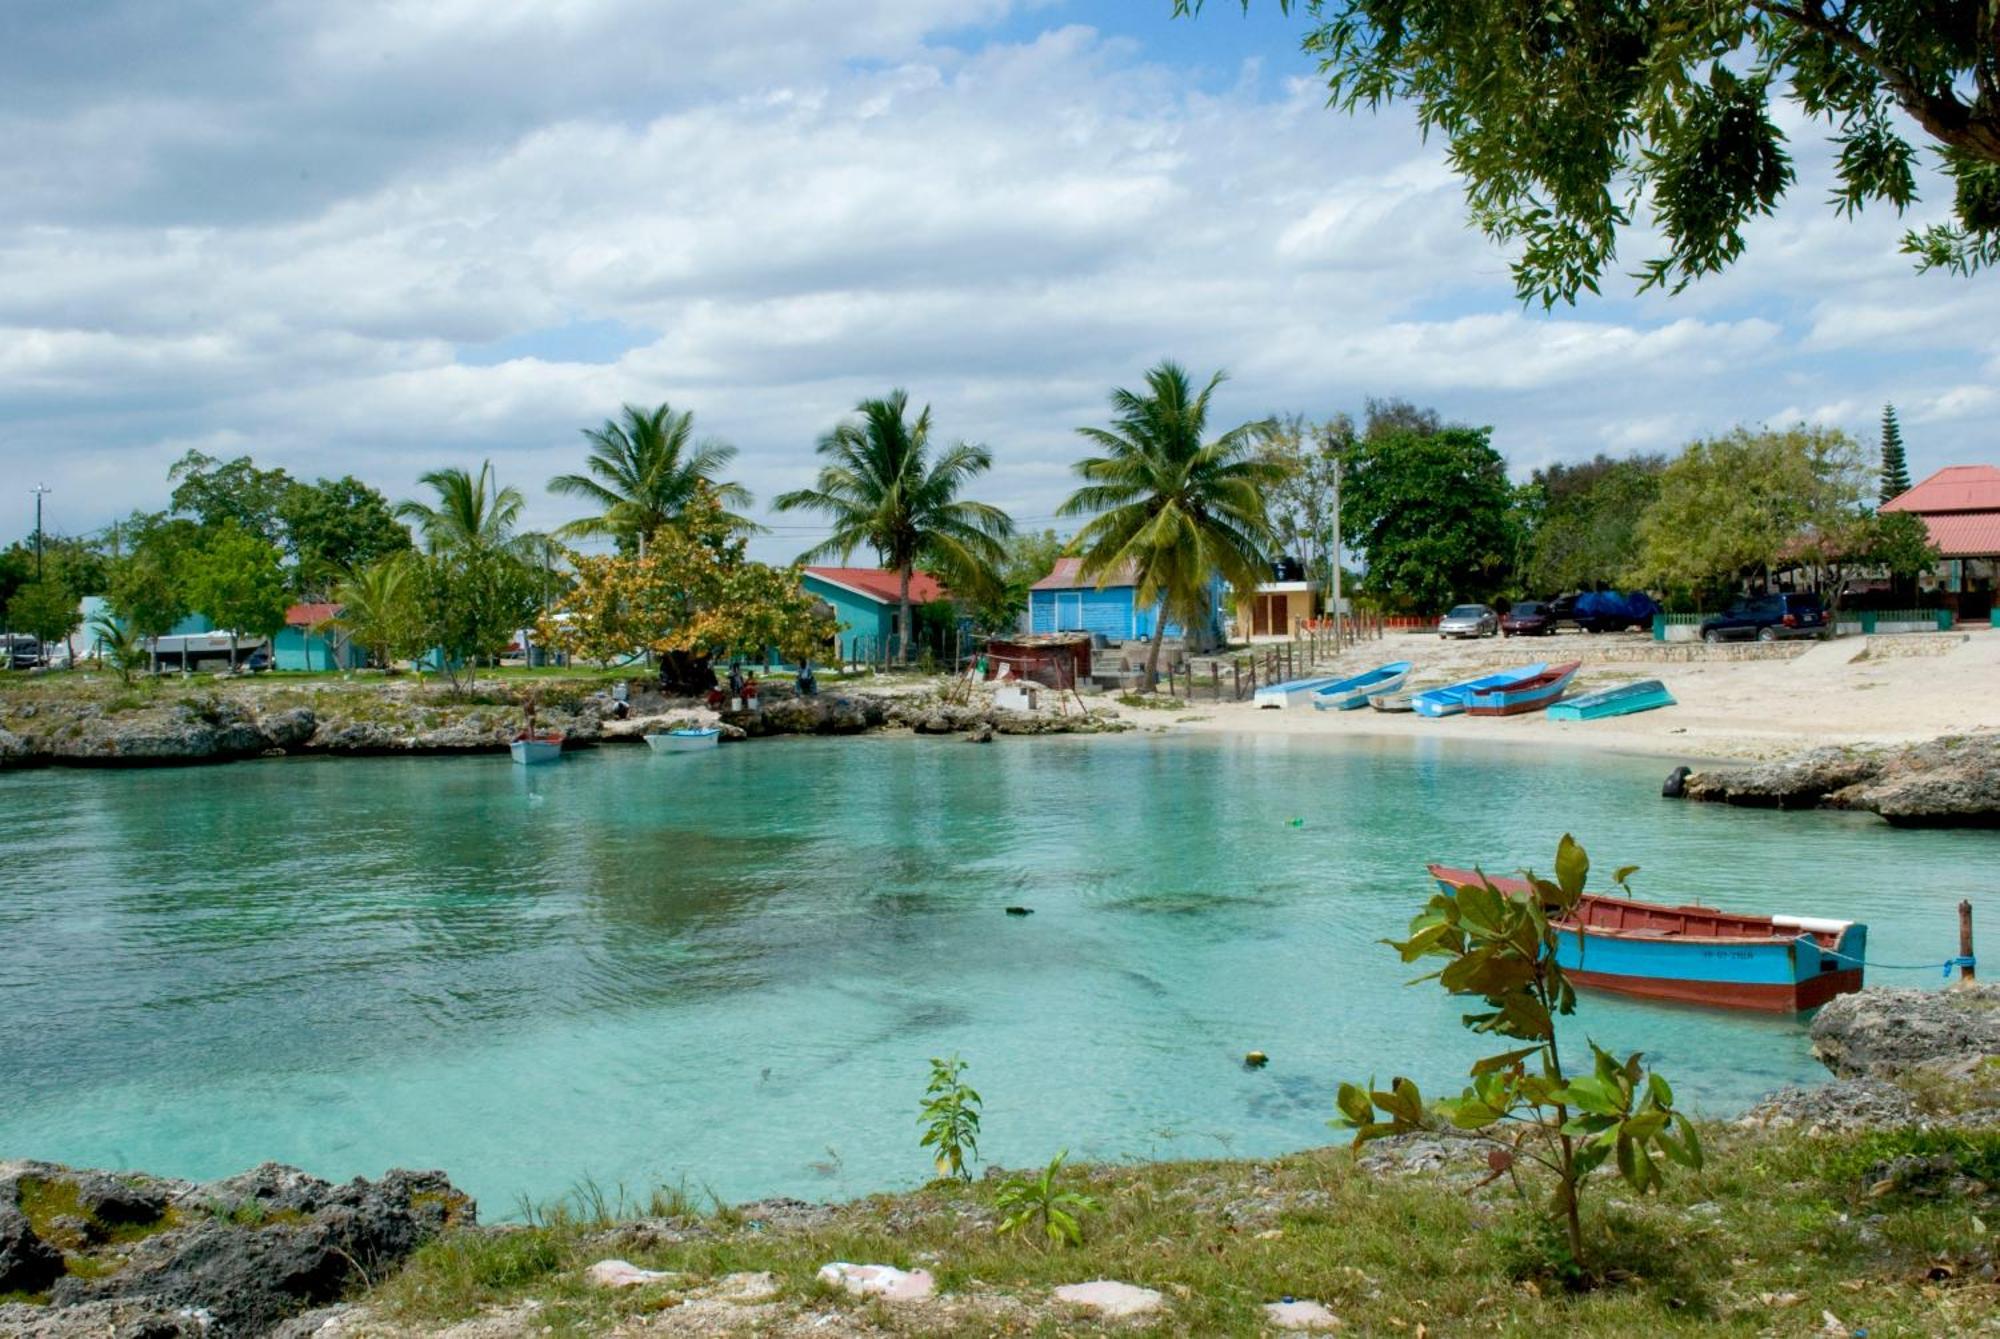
1888 1232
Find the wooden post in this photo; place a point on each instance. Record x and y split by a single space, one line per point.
1235 679
1965 970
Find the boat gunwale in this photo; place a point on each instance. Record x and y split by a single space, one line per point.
1773 937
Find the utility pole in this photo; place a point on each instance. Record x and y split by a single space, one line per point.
1335 557
40 491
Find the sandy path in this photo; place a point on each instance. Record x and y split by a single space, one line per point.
1853 691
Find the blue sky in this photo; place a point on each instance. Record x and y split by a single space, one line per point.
376 238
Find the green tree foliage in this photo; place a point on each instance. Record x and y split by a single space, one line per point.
17 569
1300 504
883 488
950 1118
1585 521
1501 947
1902 543
1030 556
468 599
119 645
45 609
470 511
1170 507
378 609
1749 501
1041 1202
236 580
642 470
1431 513
216 493
146 586
1575 124
334 526
1895 465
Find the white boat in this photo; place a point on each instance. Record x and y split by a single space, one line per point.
1354 693
1294 693
685 741
531 749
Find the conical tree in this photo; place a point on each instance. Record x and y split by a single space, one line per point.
643 468
1895 468
1174 509
470 512
883 489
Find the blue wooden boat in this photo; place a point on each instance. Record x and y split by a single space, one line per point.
1623 700
1697 955
1523 695
1348 694
1450 700
1291 693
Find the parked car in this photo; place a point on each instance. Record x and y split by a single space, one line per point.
1767 618
19 651
1469 620
1529 618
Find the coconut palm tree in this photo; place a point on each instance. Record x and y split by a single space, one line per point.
470 512
883 488
1173 510
376 608
643 467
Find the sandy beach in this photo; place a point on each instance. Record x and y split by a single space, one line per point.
1738 701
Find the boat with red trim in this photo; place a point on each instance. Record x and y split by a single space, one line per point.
1697 955
1523 695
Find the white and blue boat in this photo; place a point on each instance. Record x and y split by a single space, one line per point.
1291 693
1349 694
685 740
1623 700
1451 699
1523 695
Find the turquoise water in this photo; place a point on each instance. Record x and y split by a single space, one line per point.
732 967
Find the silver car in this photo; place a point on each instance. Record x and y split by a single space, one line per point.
1469 620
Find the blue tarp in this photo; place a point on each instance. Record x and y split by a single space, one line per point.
1610 606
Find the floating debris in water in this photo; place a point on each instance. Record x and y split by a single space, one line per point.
1295 822
1256 1060
1020 911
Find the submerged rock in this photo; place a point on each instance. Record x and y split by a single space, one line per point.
1949 782
1887 1034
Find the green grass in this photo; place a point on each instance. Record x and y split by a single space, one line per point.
1777 1230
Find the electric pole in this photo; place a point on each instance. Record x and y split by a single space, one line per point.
1335 557
40 491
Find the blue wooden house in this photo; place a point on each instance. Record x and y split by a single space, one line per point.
1067 601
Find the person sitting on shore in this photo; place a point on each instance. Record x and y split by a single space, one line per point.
807 684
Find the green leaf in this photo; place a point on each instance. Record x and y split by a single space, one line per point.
1593 1095
1505 1060
1693 1140
1645 1126
1354 1103
1623 873
1572 867
1662 1093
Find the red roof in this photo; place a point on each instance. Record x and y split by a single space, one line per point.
1067 574
309 615
1964 534
1954 488
880 586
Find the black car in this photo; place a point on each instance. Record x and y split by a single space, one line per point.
1768 618
1530 618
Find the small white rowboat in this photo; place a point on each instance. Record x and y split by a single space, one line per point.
685 741
531 749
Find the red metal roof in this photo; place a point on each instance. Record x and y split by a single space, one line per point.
1964 534
309 615
1954 488
1067 574
880 586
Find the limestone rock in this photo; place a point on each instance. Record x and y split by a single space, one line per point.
1847 1104
1107 1297
1884 1033
1948 782
13 751
1290 1315
980 734
27 1263
883 1281
623 1274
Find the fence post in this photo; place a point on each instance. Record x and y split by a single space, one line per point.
1235 679
1965 969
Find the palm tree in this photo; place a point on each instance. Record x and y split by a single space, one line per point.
470 512
645 468
1173 509
882 488
119 644
375 608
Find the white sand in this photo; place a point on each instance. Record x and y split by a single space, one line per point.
1856 690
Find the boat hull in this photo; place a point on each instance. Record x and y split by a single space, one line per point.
1394 702
678 741
534 752
1624 700
1292 693
1452 700
1349 694
1534 694
1699 955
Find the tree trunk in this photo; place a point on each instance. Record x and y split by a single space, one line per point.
1153 651
903 614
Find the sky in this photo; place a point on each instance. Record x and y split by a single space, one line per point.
384 236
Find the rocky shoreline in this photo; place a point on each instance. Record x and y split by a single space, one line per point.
1949 782
214 726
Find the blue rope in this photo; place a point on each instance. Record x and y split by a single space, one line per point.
1968 963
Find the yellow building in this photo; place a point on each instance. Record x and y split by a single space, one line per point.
1277 610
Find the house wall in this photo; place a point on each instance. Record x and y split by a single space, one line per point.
863 623
1298 605
298 649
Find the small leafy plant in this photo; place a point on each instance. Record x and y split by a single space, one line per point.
950 1117
1027 1201
1500 945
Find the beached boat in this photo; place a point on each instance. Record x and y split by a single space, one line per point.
1347 694
1291 693
1623 700
1523 695
537 748
1698 955
685 741
1451 699
1399 701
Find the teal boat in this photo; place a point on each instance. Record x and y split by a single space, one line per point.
1623 700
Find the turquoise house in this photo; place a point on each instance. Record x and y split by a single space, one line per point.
302 647
1066 601
865 601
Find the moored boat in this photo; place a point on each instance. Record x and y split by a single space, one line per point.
1451 699
529 749
1291 693
685 740
1623 700
1399 701
1348 694
1698 955
1523 695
